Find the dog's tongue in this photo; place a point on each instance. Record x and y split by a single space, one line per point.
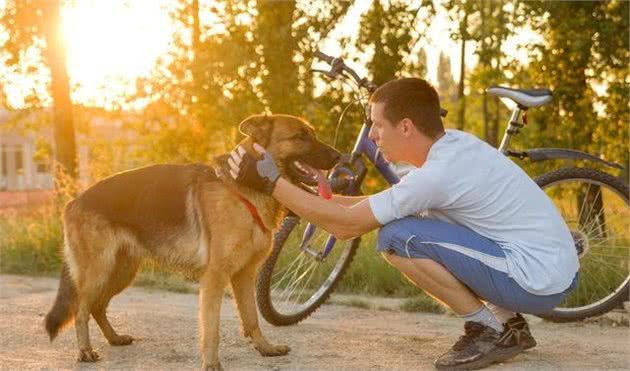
323 187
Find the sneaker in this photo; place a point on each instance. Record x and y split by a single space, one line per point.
479 347
516 332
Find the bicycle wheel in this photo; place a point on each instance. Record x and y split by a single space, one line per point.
595 207
293 283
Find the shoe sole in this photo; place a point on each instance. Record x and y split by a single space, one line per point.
495 357
529 346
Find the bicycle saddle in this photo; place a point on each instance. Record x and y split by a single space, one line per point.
525 98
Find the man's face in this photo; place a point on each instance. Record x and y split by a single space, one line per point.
387 137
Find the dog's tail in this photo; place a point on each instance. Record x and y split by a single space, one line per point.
65 307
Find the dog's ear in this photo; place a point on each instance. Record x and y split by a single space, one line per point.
258 127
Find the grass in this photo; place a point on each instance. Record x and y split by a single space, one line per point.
370 274
422 303
30 243
153 276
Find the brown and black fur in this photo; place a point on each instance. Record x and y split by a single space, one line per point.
182 216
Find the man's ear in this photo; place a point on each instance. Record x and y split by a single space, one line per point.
258 127
407 125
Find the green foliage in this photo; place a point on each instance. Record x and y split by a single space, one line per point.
370 274
30 244
573 58
385 32
153 276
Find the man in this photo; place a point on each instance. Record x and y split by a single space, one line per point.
467 225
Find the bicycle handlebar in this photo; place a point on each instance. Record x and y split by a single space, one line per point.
326 58
337 66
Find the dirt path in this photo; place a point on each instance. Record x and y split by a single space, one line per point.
335 338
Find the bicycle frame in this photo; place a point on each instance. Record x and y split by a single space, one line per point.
543 154
363 146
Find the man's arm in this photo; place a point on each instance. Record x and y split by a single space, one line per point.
348 200
344 222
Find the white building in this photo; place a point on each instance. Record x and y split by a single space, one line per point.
21 169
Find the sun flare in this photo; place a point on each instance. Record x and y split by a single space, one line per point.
110 43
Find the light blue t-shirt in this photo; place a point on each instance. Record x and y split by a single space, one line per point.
465 181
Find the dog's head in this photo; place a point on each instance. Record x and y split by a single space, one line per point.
292 143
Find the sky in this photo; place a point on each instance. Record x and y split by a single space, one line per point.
111 43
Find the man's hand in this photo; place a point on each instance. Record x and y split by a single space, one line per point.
260 175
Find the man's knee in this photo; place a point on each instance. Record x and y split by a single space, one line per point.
394 236
385 237
390 257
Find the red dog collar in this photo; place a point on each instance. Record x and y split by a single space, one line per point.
252 210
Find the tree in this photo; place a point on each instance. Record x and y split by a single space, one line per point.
37 23
585 44
490 32
447 85
253 58
278 48
385 30
459 11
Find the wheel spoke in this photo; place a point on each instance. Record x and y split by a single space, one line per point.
599 214
298 279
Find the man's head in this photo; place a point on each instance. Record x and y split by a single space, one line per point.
405 111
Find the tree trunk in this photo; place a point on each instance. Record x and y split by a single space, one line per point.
486 126
274 32
461 98
196 46
65 142
485 65
494 128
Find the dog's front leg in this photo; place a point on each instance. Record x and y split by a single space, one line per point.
211 297
243 284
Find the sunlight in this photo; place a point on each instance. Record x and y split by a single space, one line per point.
113 42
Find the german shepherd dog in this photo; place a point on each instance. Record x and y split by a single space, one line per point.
185 216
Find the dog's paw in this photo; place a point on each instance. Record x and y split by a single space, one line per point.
88 355
214 367
121 340
273 350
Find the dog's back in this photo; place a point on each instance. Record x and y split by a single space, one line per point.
150 201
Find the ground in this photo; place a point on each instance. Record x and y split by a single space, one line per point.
337 337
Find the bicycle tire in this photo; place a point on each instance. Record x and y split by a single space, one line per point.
622 292
264 282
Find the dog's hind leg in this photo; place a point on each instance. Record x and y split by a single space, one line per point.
86 353
122 275
98 257
243 284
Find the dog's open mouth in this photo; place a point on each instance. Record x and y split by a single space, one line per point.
309 175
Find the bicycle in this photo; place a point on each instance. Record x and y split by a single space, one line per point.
306 262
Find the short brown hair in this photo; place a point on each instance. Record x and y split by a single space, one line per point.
414 99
